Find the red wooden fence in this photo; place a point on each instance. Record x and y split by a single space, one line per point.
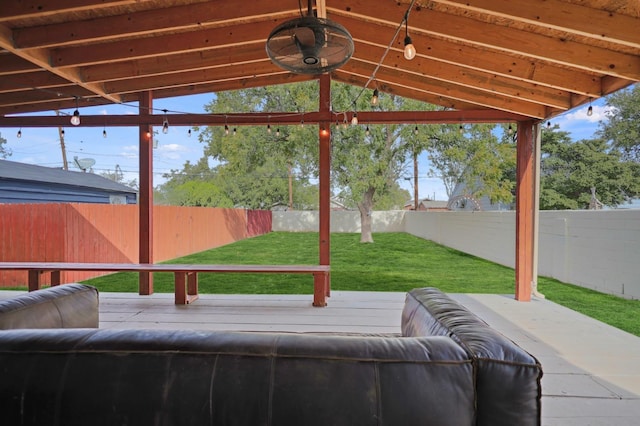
109 233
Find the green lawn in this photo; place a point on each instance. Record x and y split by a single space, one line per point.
395 262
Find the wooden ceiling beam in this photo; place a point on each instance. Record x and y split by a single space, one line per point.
598 24
264 67
512 40
481 59
183 17
163 45
39 57
446 89
473 78
264 118
181 62
38 8
33 80
402 91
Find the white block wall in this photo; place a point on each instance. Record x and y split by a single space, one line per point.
594 249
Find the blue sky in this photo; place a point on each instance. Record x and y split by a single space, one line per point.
41 146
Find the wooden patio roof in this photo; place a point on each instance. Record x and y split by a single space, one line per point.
480 60
529 58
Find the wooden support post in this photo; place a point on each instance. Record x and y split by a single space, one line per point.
525 192
325 173
145 202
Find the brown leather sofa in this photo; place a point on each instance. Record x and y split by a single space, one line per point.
433 375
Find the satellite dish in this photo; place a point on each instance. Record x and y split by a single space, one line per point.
309 45
83 163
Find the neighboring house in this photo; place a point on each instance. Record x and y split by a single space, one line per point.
461 200
27 183
427 205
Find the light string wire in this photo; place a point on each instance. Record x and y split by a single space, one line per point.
384 55
301 114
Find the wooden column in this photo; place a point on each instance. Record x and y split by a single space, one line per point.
525 202
145 200
325 172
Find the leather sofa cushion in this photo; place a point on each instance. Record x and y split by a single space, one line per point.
508 378
64 306
232 378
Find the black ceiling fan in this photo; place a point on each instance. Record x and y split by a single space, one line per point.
309 45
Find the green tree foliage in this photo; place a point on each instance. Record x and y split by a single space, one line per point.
4 151
475 156
570 169
622 129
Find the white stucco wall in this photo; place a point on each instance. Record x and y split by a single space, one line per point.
594 249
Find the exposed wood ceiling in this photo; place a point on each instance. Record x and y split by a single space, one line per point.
534 58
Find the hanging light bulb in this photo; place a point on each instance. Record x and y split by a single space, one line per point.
354 119
302 123
510 130
104 133
75 118
366 131
165 123
19 135
344 121
278 132
226 130
548 124
461 129
415 131
589 110
269 128
374 98
324 131
409 48
62 133
189 133
234 131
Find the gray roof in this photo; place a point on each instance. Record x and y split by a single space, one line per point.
29 172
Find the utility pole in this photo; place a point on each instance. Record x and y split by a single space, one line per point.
65 165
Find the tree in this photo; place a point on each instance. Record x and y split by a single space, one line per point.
474 155
622 129
4 151
570 169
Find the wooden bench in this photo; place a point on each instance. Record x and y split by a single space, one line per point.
185 275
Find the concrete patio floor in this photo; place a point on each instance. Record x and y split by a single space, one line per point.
591 370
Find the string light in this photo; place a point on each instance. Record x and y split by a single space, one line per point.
510 131
234 131
104 133
461 129
165 123
19 135
302 123
589 110
374 98
269 128
415 131
75 118
366 131
189 133
226 130
278 132
548 124
354 119
409 48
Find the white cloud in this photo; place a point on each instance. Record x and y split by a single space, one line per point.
130 151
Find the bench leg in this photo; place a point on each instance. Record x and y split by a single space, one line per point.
319 289
180 288
55 278
186 287
34 279
192 286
